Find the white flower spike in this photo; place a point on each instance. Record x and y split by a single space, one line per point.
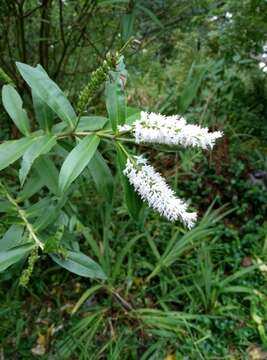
172 130
153 189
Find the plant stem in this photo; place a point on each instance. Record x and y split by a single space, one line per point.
23 217
98 133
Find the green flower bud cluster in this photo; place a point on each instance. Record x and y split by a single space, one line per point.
97 78
26 274
4 77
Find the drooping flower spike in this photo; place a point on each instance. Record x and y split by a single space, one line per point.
172 130
153 189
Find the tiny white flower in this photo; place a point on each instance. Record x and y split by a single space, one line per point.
214 18
153 189
263 66
172 130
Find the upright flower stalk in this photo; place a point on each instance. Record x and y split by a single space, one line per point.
172 130
153 189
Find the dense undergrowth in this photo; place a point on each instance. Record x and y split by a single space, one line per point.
207 301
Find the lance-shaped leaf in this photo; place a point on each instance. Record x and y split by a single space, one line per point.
48 91
127 25
11 256
13 237
47 171
91 123
10 151
80 264
77 160
133 201
115 96
102 175
42 146
43 112
13 104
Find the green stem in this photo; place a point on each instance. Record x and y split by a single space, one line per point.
102 134
23 217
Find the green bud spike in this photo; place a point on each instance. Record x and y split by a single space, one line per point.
26 274
97 78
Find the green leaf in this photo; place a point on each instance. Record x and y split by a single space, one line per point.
31 187
10 151
43 112
76 161
42 146
192 84
11 256
48 172
152 16
127 26
115 97
91 123
80 264
13 104
12 238
48 92
102 175
133 201
88 293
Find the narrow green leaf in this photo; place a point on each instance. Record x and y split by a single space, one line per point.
13 104
48 172
152 16
11 256
49 92
191 87
10 151
127 26
88 293
76 161
44 114
133 201
42 146
80 264
91 123
31 187
12 238
102 175
115 97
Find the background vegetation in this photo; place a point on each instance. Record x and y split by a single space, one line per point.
173 294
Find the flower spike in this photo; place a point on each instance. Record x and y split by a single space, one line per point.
172 130
153 189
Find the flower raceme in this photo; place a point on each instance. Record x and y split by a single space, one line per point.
172 130
148 183
153 189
